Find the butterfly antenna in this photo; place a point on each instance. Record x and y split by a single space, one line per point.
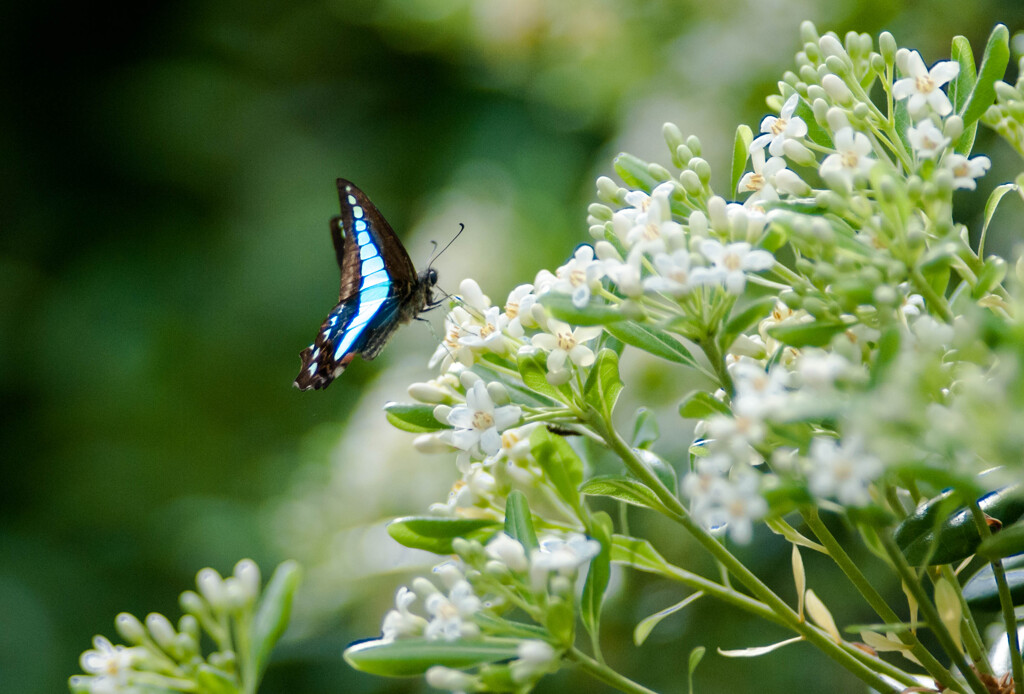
462 228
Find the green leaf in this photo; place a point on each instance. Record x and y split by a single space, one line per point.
740 154
700 405
652 340
413 656
534 369
1005 543
519 521
598 575
930 536
625 489
415 418
214 680
812 334
741 321
560 463
991 205
603 384
562 308
982 592
634 172
640 555
273 613
815 133
696 655
993 67
647 624
960 89
645 429
888 350
435 534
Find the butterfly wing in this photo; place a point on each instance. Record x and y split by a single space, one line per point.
377 280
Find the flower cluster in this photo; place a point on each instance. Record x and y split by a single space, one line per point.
837 342
160 657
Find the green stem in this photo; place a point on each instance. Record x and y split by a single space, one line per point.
675 510
875 600
936 302
604 673
972 637
930 614
1005 601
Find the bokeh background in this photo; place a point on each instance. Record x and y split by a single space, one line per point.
167 176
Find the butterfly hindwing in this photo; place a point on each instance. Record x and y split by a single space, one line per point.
379 289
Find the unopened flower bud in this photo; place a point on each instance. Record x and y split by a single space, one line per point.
130 628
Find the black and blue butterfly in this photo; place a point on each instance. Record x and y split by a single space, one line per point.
380 290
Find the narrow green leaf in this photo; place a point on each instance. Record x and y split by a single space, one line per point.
625 489
519 521
410 417
562 308
652 340
435 534
741 321
647 624
1005 543
633 171
960 89
560 463
598 575
274 611
993 67
812 334
991 205
640 555
645 429
603 384
740 154
413 656
888 349
700 405
214 680
696 655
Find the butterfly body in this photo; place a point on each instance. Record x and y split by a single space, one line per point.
380 290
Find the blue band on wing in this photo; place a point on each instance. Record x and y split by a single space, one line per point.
374 289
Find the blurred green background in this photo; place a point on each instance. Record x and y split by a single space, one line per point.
167 176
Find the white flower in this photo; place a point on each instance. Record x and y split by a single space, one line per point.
779 129
563 556
851 157
768 178
577 276
922 85
926 139
562 342
441 677
655 230
479 422
508 551
518 307
456 325
626 275
473 296
674 277
450 615
966 170
759 394
842 469
819 369
108 660
741 503
535 657
487 336
400 622
702 483
730 262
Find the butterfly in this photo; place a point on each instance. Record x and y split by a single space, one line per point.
380 290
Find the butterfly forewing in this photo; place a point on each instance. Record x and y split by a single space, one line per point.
379 289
